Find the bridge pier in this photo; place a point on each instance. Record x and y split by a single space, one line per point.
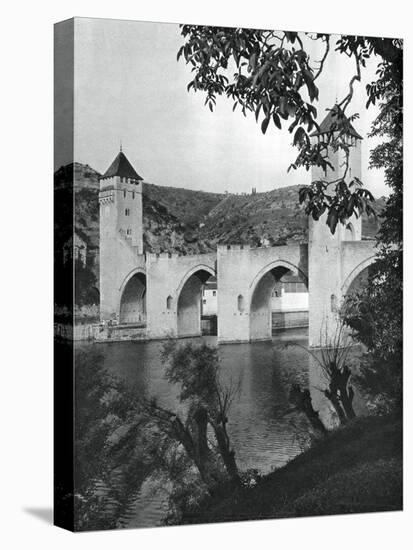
174 293
246 278
334 262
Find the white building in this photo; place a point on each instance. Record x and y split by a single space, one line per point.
210 297
290 294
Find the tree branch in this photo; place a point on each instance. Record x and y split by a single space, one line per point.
345 102
322 61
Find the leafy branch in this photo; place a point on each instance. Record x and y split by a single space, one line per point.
271 75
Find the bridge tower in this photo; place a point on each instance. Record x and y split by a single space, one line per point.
326 269
121 233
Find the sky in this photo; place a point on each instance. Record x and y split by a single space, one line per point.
130 88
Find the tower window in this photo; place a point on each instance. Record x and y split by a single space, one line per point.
129 231
124 193
169 302
127 212
133 195
241 303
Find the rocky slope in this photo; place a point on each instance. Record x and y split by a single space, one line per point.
188 222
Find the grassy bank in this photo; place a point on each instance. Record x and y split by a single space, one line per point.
357 468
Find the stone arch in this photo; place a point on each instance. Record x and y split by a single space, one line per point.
132 303
192 271
189 295
365 264
261 289
275 264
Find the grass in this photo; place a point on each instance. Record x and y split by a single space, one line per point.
355 469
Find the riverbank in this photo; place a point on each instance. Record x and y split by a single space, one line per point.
355 469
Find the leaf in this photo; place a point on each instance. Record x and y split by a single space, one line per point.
299 136
332 220
293 125
303 193
291 36
264 124
257 111
253 61
311 87
283 107
276 120
180 52
350 205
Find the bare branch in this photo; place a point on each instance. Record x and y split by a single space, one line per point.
345 102
322 61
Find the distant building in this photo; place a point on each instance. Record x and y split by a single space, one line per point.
210 297
289 294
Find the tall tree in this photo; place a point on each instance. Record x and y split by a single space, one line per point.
375 313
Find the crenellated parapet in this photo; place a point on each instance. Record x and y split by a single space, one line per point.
157 256
232 247
118 183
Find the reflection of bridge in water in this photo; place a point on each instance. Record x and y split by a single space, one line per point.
151 296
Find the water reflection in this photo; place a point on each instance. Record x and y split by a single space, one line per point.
264 429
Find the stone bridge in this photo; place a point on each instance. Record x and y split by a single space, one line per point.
162 293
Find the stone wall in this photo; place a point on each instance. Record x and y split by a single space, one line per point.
167 275
240 271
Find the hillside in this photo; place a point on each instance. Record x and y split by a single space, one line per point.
354 469
187 221
274 218
185 204
83 176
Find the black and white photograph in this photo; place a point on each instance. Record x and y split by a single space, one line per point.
228 206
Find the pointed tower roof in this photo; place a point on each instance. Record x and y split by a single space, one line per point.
335 118
121 167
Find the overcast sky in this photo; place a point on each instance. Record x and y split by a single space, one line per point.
130 87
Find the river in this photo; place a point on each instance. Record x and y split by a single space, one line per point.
264 430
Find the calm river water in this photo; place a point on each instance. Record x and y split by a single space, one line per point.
264 430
